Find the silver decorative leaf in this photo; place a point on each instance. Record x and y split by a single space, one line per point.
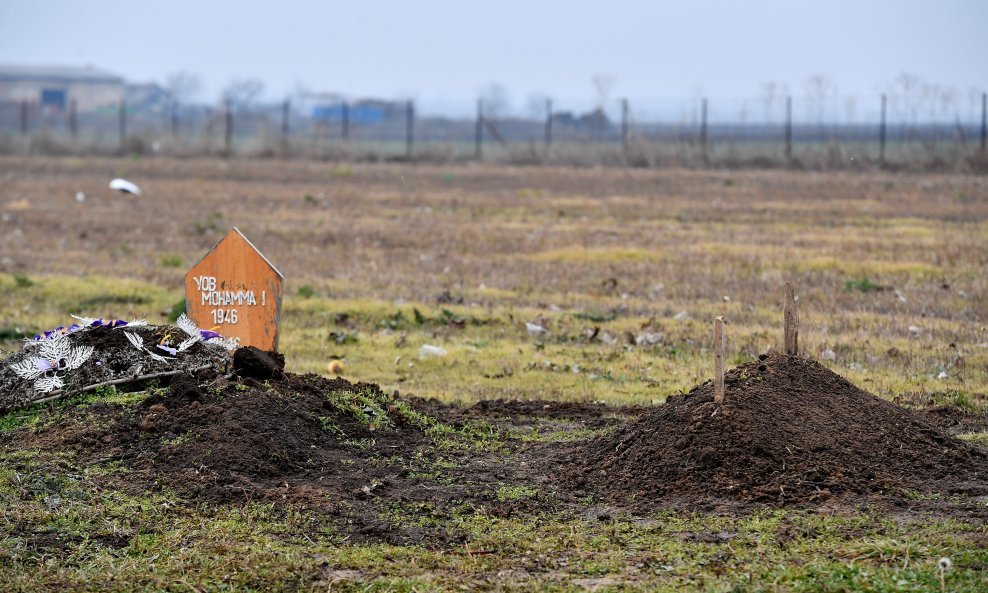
27 369
85 320
188 326
46 384
157 357
135 340
56 348
77 356
134 323
185 345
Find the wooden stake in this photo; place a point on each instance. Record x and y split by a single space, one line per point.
791 321
720 341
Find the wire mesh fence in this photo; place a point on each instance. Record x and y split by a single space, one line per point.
696 131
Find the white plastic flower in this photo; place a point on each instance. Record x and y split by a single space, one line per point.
56 357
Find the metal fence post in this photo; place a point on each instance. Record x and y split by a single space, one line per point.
624 126
228 128
984 121
703 129
73 120
123 125
881 132
345 132
789 128
548 127
479 132
286 109
409 129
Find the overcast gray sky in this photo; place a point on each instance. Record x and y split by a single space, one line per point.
443 52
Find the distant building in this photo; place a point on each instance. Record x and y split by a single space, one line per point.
55 87
145 96
330 107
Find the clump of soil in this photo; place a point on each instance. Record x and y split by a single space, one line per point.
789 431
258 364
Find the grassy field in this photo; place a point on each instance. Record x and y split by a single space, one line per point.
626 268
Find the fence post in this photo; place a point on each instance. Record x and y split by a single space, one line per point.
703 129
73 120
789 128
881 132
409 129
227 128
23 118
624 126
174 119
790 320
720 341
479 132
984 121
123 125
548 127
286 110
345 132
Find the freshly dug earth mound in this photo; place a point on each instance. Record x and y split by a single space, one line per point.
222 440
789 432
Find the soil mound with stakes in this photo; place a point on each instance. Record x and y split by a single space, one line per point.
789 431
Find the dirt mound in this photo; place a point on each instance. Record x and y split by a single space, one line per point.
789 431
221 440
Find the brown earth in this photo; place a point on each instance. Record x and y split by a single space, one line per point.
790 432
297 440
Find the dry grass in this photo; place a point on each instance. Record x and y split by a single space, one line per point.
871 255
381 259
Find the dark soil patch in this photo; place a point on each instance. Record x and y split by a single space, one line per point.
956 420
367 460
591 415
229 440
524 413
790 432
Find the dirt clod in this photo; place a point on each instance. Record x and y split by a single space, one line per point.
252 362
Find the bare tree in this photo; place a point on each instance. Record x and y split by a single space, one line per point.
603 85
182 87
243 93
536 104
769 95
496 100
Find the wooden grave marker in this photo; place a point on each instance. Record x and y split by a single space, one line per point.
236 291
